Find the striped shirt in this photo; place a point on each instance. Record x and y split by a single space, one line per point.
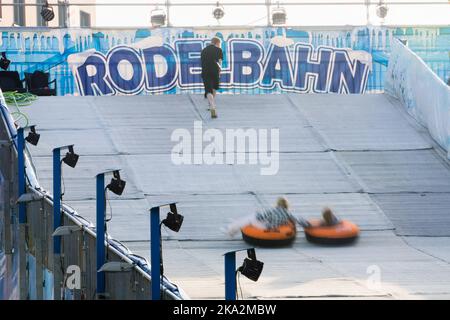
275 217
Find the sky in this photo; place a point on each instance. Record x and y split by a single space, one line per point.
304 15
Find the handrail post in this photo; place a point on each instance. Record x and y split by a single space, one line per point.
155 252
57 277
230 275
100 230
23 278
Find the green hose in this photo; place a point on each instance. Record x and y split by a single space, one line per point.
19 100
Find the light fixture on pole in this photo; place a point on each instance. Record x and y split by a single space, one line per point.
158 17
382 9
173 221
218 11
70 160
278 15
251 268
33 139
117 185
116 266
29 197
4 62
66 230
47 12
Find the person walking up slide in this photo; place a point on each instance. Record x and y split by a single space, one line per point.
211 58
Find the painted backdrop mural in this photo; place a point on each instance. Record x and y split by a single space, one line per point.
257 60
154 66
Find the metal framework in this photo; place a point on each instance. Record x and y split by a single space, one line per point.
262 3
167 4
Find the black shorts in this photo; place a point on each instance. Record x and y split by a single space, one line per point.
210 81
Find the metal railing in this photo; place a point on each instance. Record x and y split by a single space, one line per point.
29 263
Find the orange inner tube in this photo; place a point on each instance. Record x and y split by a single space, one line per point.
344 229
283 232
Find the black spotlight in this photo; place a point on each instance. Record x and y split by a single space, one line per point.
251 268
218 11
4 62
278 15
382 9
71 158
158 17
47 12
33 137
173 221
116 185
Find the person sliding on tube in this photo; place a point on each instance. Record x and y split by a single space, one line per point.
328 218
211 58
267 219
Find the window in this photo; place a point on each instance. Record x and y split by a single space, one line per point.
39 21
62 14
19 12
85 19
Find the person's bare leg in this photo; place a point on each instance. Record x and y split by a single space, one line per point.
211 101
215 106
212 104
236 225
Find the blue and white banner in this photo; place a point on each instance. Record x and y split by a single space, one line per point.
154 66
256 60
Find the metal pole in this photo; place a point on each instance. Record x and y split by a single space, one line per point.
56 198
168 12
23 279
268 12
100 229
56 223
367 2
230 275
67 13
155 246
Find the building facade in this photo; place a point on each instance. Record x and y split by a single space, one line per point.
26 13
